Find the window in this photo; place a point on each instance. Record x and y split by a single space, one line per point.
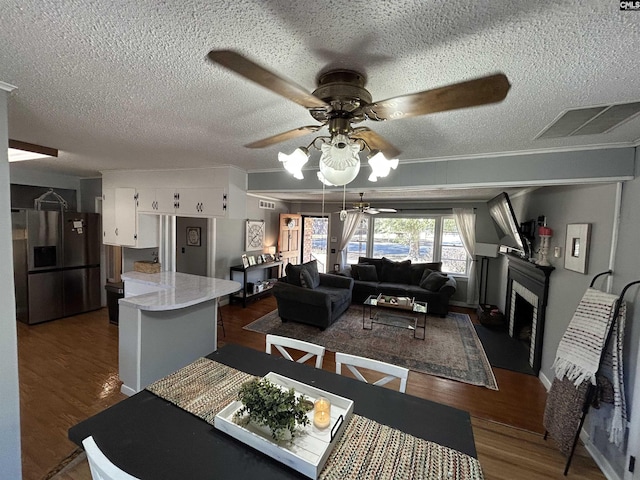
421 239
358 245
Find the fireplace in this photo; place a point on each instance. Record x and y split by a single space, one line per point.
526 303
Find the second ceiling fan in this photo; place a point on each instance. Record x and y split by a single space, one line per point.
364 207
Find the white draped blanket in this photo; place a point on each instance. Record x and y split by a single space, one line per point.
581 346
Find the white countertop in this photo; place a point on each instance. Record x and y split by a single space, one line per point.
176 290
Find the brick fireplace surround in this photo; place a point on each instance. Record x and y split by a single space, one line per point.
531 282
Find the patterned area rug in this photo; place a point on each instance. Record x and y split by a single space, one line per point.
451 348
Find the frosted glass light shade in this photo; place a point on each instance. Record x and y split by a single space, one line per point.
294 162
380 166
339 177
339 163
324 180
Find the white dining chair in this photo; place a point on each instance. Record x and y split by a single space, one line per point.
310 349
101 467
352 362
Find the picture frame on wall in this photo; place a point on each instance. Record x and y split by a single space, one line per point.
193 237
577 247
254 235
245 261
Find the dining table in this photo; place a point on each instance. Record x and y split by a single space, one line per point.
153 438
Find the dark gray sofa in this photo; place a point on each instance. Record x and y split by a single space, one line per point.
320 304
402 279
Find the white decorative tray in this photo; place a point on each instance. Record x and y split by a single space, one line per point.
310 448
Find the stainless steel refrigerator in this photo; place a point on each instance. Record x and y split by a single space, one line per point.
56 262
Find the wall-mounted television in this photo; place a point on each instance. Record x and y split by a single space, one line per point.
507 225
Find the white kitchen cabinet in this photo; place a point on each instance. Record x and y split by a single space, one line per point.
122 225
201 202
109 216
157 200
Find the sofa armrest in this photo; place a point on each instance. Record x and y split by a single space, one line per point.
449 288
336 281
293 293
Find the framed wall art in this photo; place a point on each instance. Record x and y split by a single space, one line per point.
254 238
577 247
193 236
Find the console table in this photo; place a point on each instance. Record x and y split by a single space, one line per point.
272 269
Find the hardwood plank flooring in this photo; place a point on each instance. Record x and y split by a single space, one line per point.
68 372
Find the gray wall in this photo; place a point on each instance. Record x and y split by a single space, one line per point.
10 463
230 241
189 258
592 204
90 188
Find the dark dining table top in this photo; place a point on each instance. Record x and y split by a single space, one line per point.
151 438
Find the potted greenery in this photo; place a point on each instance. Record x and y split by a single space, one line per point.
267 404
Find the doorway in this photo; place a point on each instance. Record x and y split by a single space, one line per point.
192 245
315 233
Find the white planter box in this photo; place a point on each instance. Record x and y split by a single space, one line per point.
310 448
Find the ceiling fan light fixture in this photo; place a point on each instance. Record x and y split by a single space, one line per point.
294 162
339 163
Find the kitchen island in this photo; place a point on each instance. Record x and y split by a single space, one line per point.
167 320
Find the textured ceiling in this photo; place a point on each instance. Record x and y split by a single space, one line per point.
115 84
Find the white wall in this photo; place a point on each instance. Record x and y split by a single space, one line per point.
10 464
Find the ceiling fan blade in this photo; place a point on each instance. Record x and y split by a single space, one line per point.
376 142
281 137
254 72
480 91
387 210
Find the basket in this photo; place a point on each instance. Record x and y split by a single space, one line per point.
146 267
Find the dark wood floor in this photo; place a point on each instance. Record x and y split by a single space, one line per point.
68 372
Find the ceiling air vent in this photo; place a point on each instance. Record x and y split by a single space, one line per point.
591 120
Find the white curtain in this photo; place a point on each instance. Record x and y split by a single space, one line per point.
466 220
349 227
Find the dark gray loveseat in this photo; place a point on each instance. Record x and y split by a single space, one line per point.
314 298
373 276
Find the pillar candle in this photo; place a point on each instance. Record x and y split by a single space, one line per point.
322 413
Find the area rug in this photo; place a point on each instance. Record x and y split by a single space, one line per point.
450 350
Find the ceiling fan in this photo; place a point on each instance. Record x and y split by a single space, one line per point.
364 207
341 100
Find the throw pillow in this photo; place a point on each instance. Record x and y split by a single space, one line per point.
396 272
368 273
417 270
293 274
355 272
434 281
425 274
305 279
312 268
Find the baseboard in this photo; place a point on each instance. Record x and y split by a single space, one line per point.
601 461
545 381
128 391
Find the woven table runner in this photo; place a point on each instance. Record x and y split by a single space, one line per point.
367 449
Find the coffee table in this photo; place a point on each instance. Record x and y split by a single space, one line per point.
400 316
